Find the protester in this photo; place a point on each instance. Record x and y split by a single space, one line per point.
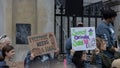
33 59
99 56
105 30
4 41
68 47
8 53
79 58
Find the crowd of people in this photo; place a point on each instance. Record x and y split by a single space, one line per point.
105 55
7 52
32 59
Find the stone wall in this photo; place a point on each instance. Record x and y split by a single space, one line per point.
2 28
38 13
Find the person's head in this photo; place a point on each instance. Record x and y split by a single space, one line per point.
116 63
78 58
101 44
109 15
8 51
80 25
5 40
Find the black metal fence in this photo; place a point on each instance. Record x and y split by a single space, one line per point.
62 23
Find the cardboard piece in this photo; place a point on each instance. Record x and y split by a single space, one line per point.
42 43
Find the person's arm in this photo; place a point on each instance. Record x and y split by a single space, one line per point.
68 45
28 59
96 58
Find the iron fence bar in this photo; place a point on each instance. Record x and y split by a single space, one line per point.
61 32
68 27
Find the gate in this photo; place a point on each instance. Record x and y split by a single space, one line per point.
62 23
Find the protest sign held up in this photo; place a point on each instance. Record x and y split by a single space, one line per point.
83 38
42 43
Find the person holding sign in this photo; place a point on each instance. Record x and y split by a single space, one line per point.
68 47
100 57
34 59
79 58
101 47
43 48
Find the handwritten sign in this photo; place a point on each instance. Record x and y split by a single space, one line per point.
83 38
42 43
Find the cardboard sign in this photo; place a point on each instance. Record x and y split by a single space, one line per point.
83 38
42 43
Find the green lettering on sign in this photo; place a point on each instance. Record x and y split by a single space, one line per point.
75 33
78 43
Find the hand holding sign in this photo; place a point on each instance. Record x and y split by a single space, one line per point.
57 51
34 53
97 51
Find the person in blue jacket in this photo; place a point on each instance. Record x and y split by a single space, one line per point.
105 30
